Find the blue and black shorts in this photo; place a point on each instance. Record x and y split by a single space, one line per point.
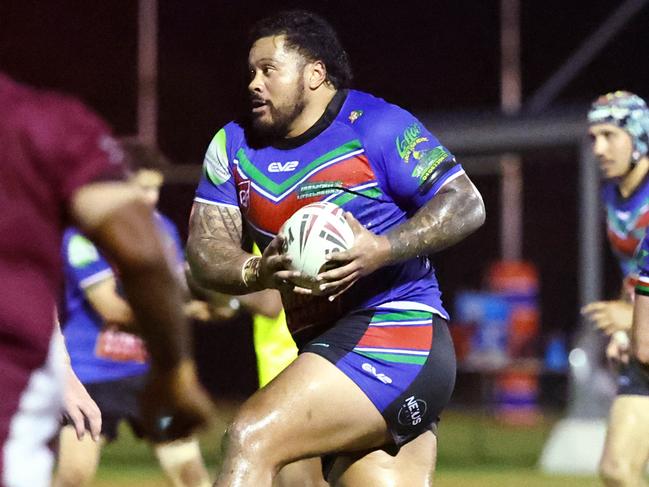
118 400
403 360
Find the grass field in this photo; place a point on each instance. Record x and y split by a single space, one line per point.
474 451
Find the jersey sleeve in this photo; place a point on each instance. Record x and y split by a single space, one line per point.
84 262
412 163
642 259
76 148
216 185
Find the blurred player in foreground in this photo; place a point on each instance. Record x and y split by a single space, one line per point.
619 129
376 364
108 358
60 166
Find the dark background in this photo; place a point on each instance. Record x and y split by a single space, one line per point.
428 56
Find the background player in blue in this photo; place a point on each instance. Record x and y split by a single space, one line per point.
376 363
109 359
640 328
619 129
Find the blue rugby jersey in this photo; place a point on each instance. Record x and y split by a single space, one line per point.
626 223
370 157
98 353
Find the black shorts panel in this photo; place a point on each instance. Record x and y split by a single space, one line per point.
118 401
633 379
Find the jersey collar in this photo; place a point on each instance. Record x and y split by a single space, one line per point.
329 115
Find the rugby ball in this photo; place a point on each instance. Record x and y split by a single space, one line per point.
310 234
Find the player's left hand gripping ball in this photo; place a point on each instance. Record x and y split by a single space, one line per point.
174 404
369 253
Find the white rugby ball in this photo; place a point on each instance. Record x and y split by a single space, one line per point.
310 234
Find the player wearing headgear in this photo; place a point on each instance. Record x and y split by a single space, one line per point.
376 364
619 129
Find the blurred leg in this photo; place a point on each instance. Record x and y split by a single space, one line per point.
182 463
626 449
413 466
78 459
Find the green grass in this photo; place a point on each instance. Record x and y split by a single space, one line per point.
474 450
473 439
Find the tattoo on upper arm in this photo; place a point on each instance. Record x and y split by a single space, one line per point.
217 222
214 247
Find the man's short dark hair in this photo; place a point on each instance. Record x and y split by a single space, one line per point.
139 156
313 37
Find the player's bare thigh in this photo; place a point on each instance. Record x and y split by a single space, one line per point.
413 466
77 459
627 438
311 408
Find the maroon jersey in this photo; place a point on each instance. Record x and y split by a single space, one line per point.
50 146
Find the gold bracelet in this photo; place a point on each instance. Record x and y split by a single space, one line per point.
250 271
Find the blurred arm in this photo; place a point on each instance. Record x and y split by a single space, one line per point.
113 216
640 329
267 303
610 316
110 306
78 406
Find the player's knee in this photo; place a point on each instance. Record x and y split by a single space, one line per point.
74 476
248 437
242 436
182 462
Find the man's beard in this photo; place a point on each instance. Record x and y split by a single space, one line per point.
280 120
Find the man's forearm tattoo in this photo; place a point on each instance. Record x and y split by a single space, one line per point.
446 219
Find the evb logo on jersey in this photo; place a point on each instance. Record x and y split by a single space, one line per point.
282 167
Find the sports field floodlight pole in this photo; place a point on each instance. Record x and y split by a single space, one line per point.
511 181
147 72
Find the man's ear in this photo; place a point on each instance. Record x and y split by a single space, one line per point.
316 74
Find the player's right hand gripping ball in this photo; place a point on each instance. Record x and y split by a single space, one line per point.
310 234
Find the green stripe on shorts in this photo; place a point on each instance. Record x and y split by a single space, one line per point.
393 357
406 315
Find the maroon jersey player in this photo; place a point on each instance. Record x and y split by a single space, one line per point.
59 165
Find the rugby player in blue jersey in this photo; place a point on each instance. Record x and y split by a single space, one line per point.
376 364
106 354
619 129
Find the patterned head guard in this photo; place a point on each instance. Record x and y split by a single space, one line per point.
628 112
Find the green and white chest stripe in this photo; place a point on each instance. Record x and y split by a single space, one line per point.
278 191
